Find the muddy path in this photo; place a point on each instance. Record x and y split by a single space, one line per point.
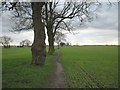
58 80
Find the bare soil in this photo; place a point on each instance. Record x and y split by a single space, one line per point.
58 78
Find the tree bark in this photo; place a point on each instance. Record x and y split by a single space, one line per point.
58 46
38 47
51 41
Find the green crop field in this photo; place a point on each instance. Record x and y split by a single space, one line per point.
84 67
90 66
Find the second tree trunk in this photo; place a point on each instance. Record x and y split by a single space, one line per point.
51 42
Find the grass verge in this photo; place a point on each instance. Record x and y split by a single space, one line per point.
18 73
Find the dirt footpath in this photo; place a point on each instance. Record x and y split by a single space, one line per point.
58 80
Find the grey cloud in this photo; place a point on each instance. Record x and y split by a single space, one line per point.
104 18
107 18
106 22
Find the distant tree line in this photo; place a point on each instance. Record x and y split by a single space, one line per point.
25 43
60 39
6 40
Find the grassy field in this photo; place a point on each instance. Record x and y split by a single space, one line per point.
18 73
84 67
90 66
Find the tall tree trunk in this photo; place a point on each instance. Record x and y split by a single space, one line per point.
58 45
38 47
51 41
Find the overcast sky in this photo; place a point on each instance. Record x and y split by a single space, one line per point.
102 30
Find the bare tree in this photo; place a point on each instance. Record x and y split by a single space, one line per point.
19 11
5 41
62 44
22 44
59 37
55 16
25 42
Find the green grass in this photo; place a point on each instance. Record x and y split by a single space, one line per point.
90 66
84 67
18 73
